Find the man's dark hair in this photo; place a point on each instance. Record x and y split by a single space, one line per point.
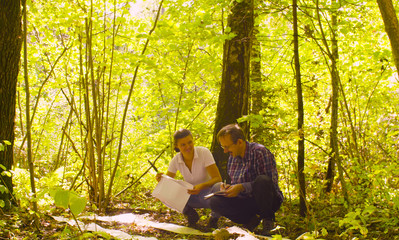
234 131
179 134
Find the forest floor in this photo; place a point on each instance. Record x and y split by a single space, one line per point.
20 224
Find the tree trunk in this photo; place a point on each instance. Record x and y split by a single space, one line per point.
257 90
27 111
10 53
234 92
391 27
335 80
334 111
108 197
301 141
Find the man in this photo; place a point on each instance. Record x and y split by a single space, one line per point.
254 193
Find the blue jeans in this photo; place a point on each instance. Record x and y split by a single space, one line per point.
241 209
198 201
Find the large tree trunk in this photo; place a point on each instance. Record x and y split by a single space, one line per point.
10 53
391 27
257 90
234 92
301 141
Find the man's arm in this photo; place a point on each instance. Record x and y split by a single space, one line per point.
262 163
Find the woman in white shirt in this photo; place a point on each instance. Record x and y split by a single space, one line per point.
197 166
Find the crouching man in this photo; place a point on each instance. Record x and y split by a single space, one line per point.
253 194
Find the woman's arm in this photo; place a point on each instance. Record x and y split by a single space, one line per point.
214 173
159 175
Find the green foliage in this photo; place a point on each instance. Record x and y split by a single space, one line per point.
66 233
3 172
177 86
2 224
357 220
22 186
68 199
3 147
3 189
254 119
71 233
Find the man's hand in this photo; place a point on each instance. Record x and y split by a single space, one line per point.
233 190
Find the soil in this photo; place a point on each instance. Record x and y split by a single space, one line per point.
21 223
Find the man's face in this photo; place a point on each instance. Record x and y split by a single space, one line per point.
229 147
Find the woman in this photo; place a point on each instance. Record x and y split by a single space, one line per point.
197 166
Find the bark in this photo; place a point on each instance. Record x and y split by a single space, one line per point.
27 114
391 27
335 80
234 92
301 141
336 88
334 113
108 196
10 53
257 89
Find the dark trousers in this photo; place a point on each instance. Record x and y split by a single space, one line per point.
241 209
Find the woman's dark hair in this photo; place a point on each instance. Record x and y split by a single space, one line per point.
179 134
234 131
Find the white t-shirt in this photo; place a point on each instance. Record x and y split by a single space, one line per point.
202 159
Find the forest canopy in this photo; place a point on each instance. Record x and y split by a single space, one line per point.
111 81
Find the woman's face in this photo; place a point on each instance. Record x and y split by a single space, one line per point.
185 145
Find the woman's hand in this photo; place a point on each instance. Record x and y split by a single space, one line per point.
158 176
196 190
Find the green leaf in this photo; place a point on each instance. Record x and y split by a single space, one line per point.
143 35
344 30
6 173
2 204
7 142
61 198
324 232
66 230
77 205
3 189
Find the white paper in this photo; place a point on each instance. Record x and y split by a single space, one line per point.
141 220
172 192
219 193
117 234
